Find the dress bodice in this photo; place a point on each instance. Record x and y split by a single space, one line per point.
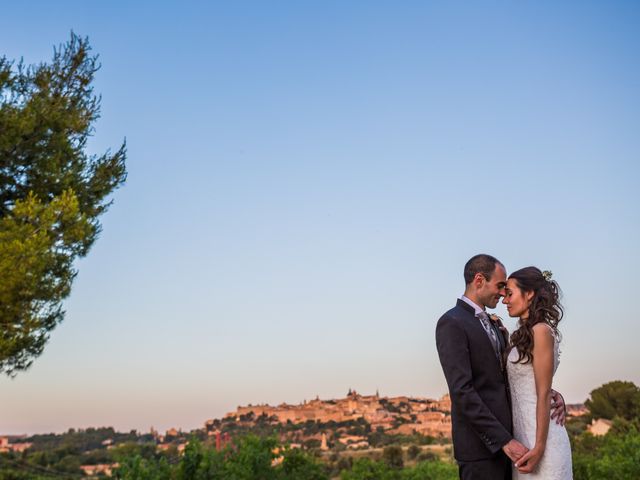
521 378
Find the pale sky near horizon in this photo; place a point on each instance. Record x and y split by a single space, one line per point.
306 182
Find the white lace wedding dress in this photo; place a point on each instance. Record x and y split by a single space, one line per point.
555 463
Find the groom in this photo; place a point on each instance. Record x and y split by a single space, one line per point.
471 347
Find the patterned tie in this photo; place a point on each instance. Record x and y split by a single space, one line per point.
486 323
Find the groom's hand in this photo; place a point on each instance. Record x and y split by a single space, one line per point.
514 450
558 408
529 460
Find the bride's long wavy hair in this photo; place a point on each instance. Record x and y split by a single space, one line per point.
545 308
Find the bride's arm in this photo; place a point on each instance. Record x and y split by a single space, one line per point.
543 373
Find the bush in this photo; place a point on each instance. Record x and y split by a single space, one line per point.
413 451
428 457
615 456
366 469
431 470
250 458
393 456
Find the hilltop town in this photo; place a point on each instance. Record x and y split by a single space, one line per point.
342 429
349 421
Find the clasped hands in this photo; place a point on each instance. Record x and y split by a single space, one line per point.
525 460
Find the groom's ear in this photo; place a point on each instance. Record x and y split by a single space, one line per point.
478 279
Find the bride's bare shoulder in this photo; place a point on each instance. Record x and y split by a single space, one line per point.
543 333
542 327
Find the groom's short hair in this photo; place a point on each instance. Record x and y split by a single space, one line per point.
482 263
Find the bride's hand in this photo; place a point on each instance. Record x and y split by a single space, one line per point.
527 463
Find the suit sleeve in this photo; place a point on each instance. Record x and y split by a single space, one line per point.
453 350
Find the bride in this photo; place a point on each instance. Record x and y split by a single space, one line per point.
531 363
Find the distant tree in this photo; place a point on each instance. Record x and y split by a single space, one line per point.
312 443
358 430
576 425
621 426
379 438
298 465
52 192
70 464
413 451
191 460
133 449
427 457
138 468
14 469
426 439
97 456
393 456
613 399
345 463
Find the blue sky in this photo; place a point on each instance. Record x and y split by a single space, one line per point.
306 182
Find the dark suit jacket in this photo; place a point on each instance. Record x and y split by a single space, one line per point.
480 408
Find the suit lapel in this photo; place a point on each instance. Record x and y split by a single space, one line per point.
480 332
503 335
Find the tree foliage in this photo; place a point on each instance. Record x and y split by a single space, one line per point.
393 456
367 469
52 192
615 456
250 458
615 399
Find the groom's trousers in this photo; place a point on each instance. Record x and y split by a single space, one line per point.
497 468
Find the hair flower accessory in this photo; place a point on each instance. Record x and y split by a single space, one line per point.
547 274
